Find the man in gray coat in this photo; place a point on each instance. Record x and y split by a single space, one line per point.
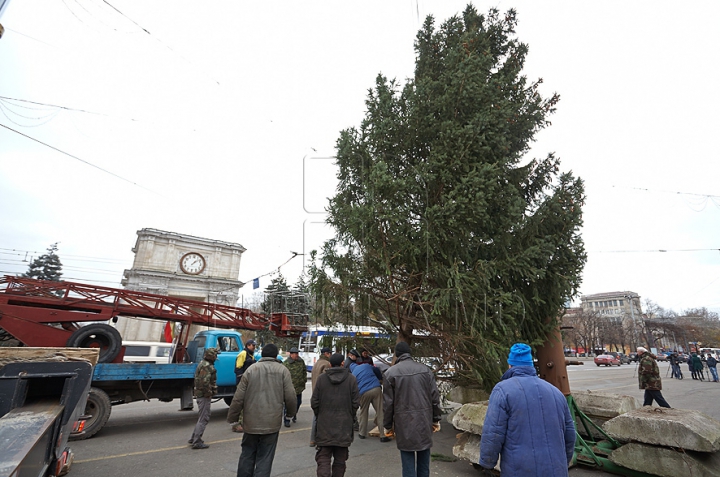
263 390
334 401
411 405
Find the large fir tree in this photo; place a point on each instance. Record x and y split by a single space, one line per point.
46 266
442 224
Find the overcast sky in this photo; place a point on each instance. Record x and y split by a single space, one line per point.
218 119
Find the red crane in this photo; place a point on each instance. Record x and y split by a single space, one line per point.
48 314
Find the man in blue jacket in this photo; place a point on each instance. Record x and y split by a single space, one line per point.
369 381
528 423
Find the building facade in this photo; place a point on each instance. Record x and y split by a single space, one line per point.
180 265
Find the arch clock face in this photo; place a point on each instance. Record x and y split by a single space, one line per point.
192 263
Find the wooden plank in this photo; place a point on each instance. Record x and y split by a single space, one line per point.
24 354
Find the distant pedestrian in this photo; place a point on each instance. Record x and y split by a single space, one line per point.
411 411
319 367
369 380
675 365
649 378
712 366
263 391
244 360
335 400
205 387
697 367
298 371
527 424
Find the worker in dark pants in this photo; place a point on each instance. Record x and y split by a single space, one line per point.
649 378
205 389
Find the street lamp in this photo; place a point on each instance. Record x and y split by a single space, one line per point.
632 313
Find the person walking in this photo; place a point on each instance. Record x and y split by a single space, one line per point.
527 424
675 365
244 360
298 371
263 391
369 380
649 378
697 367
411 411
320 366
712 366
335 400
205 387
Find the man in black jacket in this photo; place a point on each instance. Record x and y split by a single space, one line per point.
411 405
335 400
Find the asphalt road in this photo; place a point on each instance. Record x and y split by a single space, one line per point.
150 439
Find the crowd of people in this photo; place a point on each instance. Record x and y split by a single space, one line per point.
269 391
699 365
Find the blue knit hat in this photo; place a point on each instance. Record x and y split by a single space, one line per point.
520 355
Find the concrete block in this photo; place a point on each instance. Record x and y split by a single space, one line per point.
665 462
470 417
680 428
604 405
464 395
468 448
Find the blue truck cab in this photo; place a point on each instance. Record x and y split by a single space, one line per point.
229 343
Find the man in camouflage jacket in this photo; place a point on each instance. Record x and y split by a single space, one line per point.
205 389
649 378
298 372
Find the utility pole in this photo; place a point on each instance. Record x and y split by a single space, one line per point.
632 313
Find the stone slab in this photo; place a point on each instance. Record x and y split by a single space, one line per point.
679 428
464 395
467 447
665 462
470 417
604 405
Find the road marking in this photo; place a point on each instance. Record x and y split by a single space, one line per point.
166 449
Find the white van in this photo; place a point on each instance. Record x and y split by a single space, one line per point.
147 352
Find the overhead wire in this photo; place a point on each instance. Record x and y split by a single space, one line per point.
79 159
154 37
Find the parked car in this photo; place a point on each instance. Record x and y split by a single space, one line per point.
616 355
147 352
607 360
624 359
633 356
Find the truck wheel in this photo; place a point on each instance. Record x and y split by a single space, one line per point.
101 336
98 407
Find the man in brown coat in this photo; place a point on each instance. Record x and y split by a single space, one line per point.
334 401
319 367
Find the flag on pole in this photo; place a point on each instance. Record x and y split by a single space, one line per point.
256 283
169 332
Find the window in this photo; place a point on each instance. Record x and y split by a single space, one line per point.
137 350
228 343
620 302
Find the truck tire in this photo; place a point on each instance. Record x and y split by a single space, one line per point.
101 336
98 406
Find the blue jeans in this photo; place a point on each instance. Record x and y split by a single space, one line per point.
409 466
258 452
714 373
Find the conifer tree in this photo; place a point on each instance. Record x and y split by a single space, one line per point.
443 226
46 266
